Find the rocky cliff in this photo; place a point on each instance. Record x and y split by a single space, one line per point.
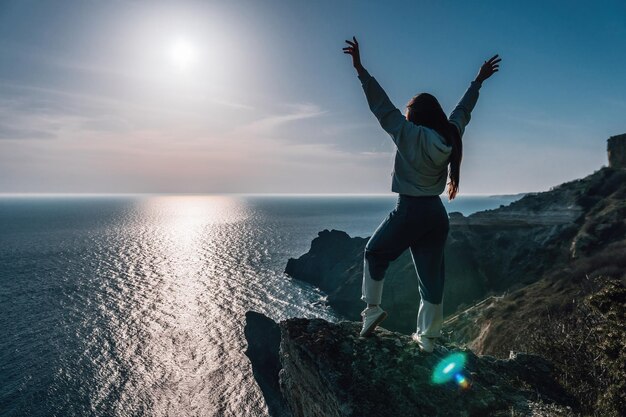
616 148
263 337
328 370
488 252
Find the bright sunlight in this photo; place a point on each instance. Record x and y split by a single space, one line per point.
183 54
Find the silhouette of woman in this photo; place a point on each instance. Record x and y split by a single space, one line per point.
428 151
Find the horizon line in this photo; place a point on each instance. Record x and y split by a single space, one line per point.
79 194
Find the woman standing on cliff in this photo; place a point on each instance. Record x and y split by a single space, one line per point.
428 150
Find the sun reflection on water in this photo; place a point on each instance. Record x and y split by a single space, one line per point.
171 342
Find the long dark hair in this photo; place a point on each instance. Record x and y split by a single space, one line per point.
425 110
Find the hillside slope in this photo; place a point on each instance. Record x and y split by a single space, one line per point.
575 314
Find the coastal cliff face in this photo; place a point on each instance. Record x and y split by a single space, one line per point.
263 337
328 370
488 252
331 253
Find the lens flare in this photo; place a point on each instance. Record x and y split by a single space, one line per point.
462 381
450 369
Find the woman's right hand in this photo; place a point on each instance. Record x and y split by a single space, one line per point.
353 50
488 68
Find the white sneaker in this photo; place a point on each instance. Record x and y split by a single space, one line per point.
372 317
426 344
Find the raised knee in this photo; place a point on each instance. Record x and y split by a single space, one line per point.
375 258
376 265
433 298
433 295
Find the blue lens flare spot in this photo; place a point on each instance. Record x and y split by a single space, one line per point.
449 368
462 381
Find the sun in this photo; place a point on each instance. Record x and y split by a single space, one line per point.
183 54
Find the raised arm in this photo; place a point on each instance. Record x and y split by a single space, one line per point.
389 116
462 113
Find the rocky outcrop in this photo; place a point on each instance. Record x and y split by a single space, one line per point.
616 148
327 259
487 252
263 338
328 370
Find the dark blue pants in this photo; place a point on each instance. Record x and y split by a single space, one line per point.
420 224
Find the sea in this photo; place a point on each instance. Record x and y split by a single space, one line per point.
134 305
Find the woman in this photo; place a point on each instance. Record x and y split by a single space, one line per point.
428 150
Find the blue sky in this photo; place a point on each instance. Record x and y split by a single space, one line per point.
92 98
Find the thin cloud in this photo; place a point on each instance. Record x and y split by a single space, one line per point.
543 121
90 99
232 104
376 154
268 124
21 133
139 78
30 117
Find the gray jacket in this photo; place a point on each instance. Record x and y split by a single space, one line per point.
421 161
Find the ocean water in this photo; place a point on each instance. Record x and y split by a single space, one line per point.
135 305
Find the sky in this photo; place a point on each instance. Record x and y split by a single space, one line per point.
257 96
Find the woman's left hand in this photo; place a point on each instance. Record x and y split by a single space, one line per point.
489 68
